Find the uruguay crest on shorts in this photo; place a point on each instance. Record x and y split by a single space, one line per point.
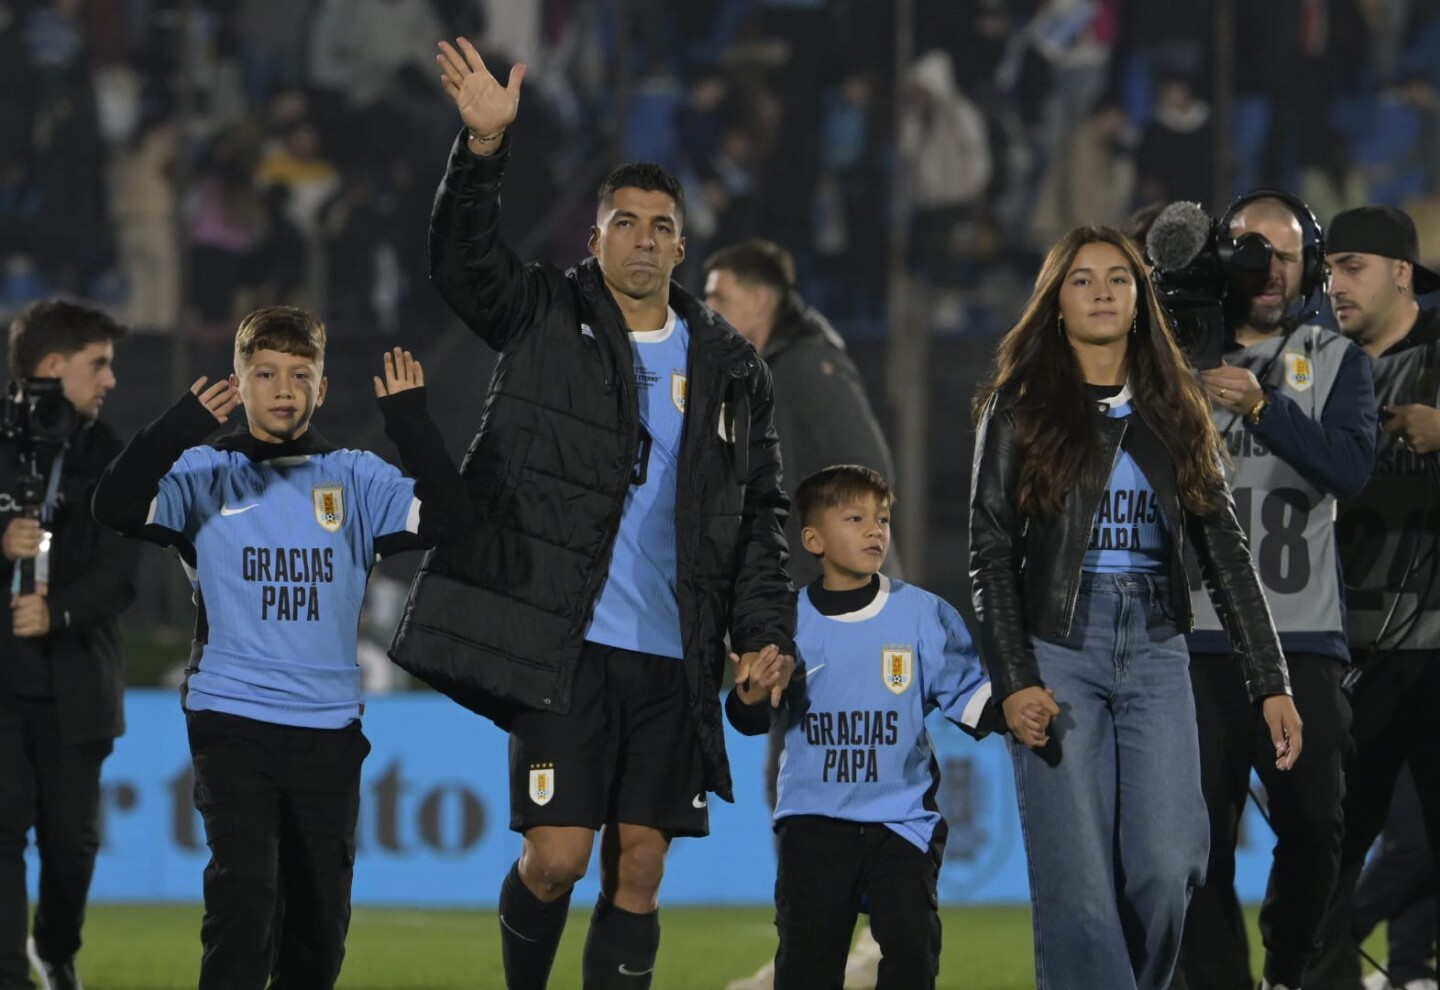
679 390
542 782
1299 372
897 667
329 505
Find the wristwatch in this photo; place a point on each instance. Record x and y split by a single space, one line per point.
1257 410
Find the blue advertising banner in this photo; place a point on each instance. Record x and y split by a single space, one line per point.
434 817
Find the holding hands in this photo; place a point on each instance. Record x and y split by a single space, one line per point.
1285 729
1029 713
762 672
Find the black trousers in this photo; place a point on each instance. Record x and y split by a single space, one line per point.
54 787
1395 704
1304 808
827 866
279 805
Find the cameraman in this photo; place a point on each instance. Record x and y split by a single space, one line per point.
1388 539
61 670
1296 406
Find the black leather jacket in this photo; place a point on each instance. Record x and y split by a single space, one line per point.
1025 570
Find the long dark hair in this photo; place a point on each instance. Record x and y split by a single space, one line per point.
1055 431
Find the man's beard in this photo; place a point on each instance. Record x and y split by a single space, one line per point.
1268 317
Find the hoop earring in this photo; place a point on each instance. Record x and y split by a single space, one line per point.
1060 324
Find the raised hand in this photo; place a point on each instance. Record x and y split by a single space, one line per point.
402 373
486 107
220 398
1285 729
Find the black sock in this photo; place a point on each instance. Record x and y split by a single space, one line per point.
530 933
620 948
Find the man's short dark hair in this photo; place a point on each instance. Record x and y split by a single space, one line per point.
646 176
839 484
756 260
55 326
1137 226
280 328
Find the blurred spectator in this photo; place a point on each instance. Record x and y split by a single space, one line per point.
1175 159
144 210
299 164
944 145
849 214
1329 181
1098 184
358 45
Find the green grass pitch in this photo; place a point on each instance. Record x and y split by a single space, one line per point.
157 947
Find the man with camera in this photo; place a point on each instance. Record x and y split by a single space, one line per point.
1388 542
1295 405
61 669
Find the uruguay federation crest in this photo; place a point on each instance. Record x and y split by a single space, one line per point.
679 390
1299 372
542 782
329 505
897 667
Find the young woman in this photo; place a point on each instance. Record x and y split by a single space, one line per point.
1096 466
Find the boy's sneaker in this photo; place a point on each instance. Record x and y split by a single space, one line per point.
1267 985
1375 981
862 968
764 979
53 976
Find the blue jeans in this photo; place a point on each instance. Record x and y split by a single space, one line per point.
1114 820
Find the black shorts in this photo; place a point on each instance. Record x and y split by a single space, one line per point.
626 752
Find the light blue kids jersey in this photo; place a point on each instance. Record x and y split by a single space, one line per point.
1129 534
637 609
282 551
856 746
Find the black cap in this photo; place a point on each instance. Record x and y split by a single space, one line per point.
1381 230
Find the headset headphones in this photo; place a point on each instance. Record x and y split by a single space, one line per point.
1312 268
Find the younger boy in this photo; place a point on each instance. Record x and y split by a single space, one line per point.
856 814
278 530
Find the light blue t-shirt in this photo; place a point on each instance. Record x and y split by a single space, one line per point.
283 549
637 609
856 746
1129 534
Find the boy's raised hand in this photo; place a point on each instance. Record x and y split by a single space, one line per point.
220 399
402 373
1029 713
486 107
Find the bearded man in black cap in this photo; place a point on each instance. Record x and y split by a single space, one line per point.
1389 537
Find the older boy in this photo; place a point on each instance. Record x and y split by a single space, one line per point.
278 530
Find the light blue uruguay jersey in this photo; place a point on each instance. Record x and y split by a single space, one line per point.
1128 535
856 746
637 609
282 552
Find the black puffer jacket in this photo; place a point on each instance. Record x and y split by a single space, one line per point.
496 621
1025 570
